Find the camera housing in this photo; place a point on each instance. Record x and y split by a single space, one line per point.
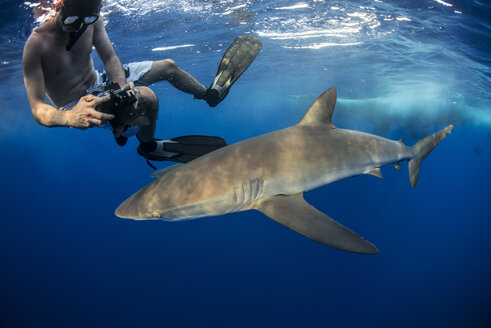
122 104
118 98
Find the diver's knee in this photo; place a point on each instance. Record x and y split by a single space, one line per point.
147 96
169 63
148 100
166 66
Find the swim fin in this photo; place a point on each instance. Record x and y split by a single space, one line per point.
183 149
239 55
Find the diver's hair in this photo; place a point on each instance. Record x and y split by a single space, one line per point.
92 4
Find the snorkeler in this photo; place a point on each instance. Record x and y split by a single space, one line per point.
57 62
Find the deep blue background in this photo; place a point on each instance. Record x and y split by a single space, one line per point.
67 261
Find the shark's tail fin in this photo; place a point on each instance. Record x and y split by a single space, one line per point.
422 148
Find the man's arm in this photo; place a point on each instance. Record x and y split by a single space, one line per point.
112 64
82 116
34 81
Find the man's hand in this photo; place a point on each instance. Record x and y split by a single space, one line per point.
84 115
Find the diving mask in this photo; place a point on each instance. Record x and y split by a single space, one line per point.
79 24
76 21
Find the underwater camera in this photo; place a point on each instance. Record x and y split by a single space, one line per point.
122 105
118 98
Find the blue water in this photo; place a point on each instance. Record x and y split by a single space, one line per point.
402 69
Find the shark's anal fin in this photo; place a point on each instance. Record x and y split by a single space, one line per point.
295 213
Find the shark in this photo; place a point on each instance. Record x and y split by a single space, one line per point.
269 173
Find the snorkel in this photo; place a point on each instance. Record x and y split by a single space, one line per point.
77 15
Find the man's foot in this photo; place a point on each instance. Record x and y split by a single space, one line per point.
212 97
155 150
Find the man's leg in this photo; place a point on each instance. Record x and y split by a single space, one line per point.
149 103
167 70
182 149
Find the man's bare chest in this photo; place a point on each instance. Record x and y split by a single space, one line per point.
59 63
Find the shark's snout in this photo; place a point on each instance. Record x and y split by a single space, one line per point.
126 211
139 205
135 208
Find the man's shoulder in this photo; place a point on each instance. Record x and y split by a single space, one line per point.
39 38
34 44
45 30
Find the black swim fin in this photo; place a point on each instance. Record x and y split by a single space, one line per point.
183 149
239 55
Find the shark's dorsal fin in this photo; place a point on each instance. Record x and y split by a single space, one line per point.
321 110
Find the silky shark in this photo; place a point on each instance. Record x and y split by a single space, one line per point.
270 172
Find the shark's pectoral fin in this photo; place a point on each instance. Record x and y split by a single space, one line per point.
160 173
295 213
